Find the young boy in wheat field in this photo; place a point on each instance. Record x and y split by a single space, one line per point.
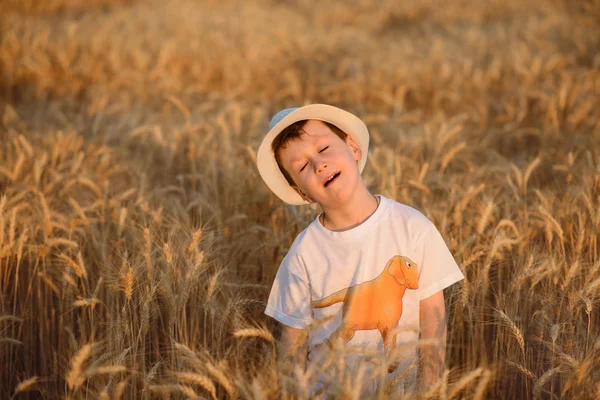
368 273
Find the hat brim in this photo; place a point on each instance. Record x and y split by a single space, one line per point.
265 159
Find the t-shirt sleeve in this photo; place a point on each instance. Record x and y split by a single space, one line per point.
290 301
438 267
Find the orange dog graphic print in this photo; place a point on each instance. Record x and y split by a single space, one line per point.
374 304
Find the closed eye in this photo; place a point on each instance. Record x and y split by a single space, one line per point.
304 166
323 149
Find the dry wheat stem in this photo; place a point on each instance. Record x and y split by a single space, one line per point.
255 332
12 318
11 341
514 329
105 370
197 379
465 381
222 378
539 384
522 369
482 386
26 385
75 377
186 390
120 388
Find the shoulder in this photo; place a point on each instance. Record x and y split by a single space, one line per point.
304 243
303 240
413 221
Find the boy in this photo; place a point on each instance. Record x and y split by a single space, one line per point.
368 272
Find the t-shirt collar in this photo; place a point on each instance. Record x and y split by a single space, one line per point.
358 231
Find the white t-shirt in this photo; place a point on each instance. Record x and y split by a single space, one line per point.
375 275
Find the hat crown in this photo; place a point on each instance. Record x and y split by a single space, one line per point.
281 115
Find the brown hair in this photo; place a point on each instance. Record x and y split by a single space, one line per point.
293 132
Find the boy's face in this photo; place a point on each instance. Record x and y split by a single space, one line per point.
323 166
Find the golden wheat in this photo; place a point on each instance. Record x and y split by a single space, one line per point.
105 370
514 329
132 212
221 377
197 379
465 381
255 332
127 280
75 376
186 390
12 341
26 385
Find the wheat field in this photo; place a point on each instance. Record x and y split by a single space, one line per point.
138 243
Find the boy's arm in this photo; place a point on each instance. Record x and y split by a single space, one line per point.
293 345
433 326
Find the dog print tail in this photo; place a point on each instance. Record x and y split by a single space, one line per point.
336 297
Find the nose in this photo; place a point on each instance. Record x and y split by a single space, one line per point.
320 165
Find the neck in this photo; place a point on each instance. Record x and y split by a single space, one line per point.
351 214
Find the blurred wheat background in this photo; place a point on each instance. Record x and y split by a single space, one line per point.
138 243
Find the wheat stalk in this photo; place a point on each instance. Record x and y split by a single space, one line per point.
186 390
104 394
212 285
105 370
197 379
127 280
26 145
56 242
482 386
151 374
222 379
12 318
192 277
21 242
78 268
11 341
530 168
528 373
26 385
554 331
551 222
75 376
90 185
2 204
46 212
485 216
78 209
194 242
190 355
119 389
168 253
514 329
465 381
450 155
122 217
255 332
539 384
592 286
12 228
148 252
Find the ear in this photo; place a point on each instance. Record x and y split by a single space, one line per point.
394 269
302 194
356 152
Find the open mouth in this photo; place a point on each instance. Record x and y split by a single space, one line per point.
331 178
